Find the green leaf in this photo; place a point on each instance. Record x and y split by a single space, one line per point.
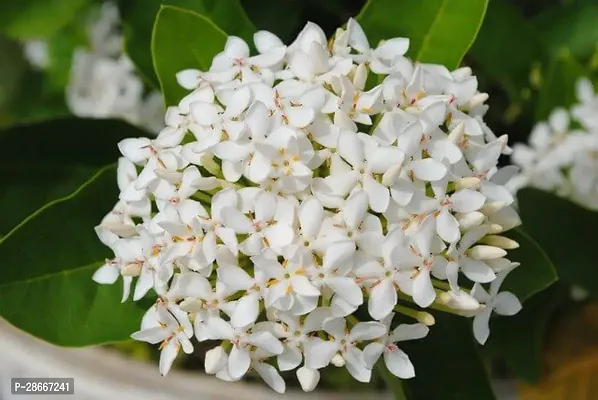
558 87
139 17
440 31
519 339
565 231
265 14
570 25
48 261
507 51
30 19
447 363
60 52
49 166
182 39
536 271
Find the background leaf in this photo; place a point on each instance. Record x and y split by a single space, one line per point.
565 231
536 271
507 51
49 166
139 17
447 363
519 340
440 31
48 260
197 40
571 25
30 19
558 86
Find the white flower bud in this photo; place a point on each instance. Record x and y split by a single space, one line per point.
470 220
500 241
391 175
459 300
361 75
338 360
477 100
484 252
493 229
456 134
499 264
491 208
426 318
131 269
308 378
215 360
207 161
470 182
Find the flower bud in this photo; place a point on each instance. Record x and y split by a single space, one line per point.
493 229
308 378
361 75
391 175
470 220
491 208
207 161
499 264
477 99
483 252
426 318
500 241
131 269
215 360
338 360
456 134
470 182
459 300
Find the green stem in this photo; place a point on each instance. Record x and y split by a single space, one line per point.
393 384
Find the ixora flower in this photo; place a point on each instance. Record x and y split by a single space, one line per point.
290 193
562 154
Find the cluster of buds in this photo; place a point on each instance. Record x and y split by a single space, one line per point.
295 189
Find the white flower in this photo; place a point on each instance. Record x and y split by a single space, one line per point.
172 329
397 362
319 353
503 303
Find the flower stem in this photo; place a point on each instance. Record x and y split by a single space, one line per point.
393 384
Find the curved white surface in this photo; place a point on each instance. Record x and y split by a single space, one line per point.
101 374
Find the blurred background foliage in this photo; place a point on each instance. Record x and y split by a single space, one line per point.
527 57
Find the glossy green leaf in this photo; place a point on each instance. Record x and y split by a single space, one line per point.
519 339
447 363
570 25
565 231
48 261
536 271
182 39
440 31
506 51
30 19
49 166
139 17
558 86
265 14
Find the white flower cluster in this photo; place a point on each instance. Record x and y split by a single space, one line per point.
293 187
562 155
103 81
